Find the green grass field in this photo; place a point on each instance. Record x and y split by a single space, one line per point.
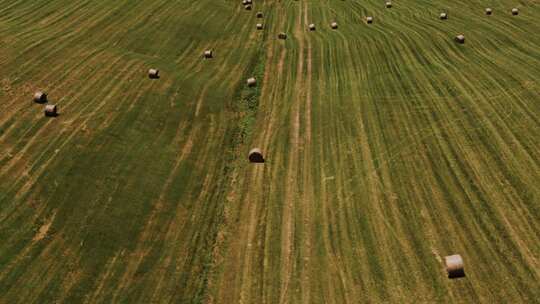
388 146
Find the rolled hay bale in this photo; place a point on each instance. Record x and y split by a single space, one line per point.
515 11
259 26
40 97
443 16
51 110
388 4
208 54
153 73
282 35
248 2
259 14
255 156
251 82
489 11
334 25
312 27
460 39
247 7
244 2
369 20
454 266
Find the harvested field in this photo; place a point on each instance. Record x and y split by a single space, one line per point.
387 147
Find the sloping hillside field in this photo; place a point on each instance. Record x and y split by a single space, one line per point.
388 146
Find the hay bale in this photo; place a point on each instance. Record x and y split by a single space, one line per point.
515 11
334 25
369 20
256 156
251 82
248 2
208 54
489 11
247 7
460 39
244 2
259 14
312 27
153 73
443 16
51 110
259 26
388 4
454 266
282 35
40 97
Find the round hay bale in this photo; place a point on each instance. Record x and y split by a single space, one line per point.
247 7
248 1
334 25
153 73
312 27
256 156
489 11
454 266
369 20
40 97
208 54
51 110
388 4
244 2
515 11
443 16
251 82
259 14
259 26
460 39
282 36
